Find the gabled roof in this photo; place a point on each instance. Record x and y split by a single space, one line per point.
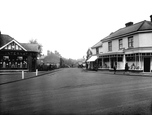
5 39
135 28
30 47
19 45
99 44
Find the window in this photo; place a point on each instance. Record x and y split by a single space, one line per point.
120 44
9 47
97 50
130 42
110 46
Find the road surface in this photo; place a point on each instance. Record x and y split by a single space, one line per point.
76 91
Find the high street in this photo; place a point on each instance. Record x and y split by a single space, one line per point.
77 91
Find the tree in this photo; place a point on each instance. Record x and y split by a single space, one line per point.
57 53
34 41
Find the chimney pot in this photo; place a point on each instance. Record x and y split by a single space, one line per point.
151 18
129 24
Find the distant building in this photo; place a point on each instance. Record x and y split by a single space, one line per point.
17 56
50 59
131 44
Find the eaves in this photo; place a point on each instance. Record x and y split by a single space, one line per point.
126 35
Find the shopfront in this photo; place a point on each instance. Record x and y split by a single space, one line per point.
17 56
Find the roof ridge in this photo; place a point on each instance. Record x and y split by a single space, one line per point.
122 29
141 25
133 24
149 22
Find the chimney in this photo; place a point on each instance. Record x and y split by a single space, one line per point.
151 18
0 38
129 24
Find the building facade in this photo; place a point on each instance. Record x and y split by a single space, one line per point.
17 56
131 44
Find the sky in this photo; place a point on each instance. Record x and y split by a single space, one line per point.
69 26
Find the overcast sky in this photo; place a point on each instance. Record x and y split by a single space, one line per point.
69 26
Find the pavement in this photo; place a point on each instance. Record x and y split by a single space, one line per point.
9 77
121 72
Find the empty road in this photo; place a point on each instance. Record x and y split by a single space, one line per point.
76 91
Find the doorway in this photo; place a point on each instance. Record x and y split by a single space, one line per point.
147 64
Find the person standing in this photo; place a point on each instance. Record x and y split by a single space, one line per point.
126 68
115 68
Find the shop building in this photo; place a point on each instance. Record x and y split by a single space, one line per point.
131 44
17 56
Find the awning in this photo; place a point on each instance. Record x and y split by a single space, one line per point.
93 58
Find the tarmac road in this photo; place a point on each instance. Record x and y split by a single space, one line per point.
76 91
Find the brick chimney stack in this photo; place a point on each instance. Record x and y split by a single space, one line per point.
129 24
151 18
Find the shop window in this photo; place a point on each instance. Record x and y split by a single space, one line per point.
5 62
120 59
130 58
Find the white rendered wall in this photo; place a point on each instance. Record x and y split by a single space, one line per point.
145 40
93 51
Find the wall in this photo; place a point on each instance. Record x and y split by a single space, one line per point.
105 47
145 40
115 44
93 51
100 50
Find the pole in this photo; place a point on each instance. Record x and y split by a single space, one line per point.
36 72
22 74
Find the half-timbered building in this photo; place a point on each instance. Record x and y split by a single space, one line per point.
17 56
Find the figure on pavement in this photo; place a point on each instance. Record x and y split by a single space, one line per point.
115 67
126 68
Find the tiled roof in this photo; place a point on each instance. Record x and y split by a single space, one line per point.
141 26
30 47
99 44
4 39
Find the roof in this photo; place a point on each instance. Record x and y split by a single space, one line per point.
141 26
99 44
30 47
5 39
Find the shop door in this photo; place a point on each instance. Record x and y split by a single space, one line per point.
147 64
112 62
